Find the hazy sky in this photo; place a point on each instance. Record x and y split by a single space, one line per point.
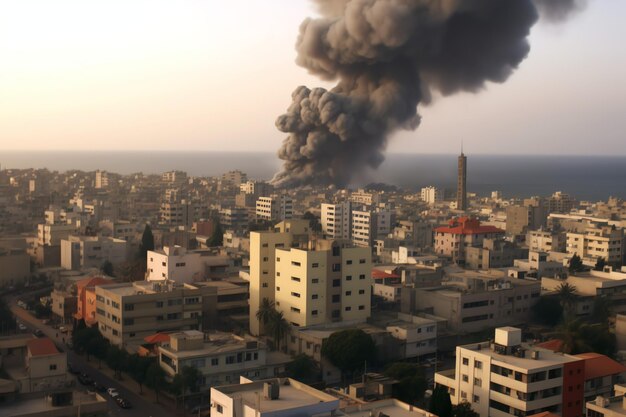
214 75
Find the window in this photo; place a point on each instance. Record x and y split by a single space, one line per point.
129 322
53 367
294 263
315 280
478 364
315 265
159 304
362 276
348 308
476 399
314 297
296 279
215 361
348 293
295 294
180 264
465 361
336 283
348 277
478 382
277 288
295 309
265 285
465 378
361 307
219 408
336 267
361 291
129 307
336 298
314 312
349 262
361 261
230 360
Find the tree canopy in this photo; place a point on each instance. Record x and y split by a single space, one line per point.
147 242
303 368
576 264
217 237
464 409
411 382
440 403
547 311
349 350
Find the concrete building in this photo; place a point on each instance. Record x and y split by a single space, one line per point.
336 220
102 180
85 303
546 241
522 218
509 378
494 253
274 208
597 242
538 266
257 188
361 197
174 263
221 358
178 213
81 252
418 234
322 285
14 267
234 178
52 234
263 245
461 233
46 367
472 301
560 202
174 178
461 186
369 225
119 229
431 195
234 218
63 305
126 313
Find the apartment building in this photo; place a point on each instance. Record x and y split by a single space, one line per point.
175 263
322 285
494 253
538 266
560 202
234 178
46 366
63 305
472 301
336 220
126 313
52 234
522 218
602 406
81 252
102 180
221 358
369 225
461 233
174 178
178 213
263 245
418 234
119 229
85 304
257 188
546 241
508 378
234 218
431 195
274 208
597 241
361 197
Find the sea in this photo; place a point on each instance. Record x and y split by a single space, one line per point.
591 178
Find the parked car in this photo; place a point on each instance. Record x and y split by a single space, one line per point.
85 379
98 388
38 333
122 402
72 370
113 392
63 329
21 327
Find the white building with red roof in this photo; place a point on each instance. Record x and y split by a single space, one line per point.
461 233
46 366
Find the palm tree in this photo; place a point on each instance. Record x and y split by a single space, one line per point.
572 333
278 327
567 295
265 311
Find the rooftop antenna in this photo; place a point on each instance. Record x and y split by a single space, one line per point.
461 146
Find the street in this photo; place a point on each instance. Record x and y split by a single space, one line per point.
142 406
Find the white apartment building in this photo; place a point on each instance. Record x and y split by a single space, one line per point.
316 286
119 229
369 225
545 241
431 195
560 202
102 179
175 263
597 242
52 234
258 188
81 252
176 178
364 198
336 220
221 358
507 378
274 208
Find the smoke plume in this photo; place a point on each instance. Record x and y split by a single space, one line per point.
387 57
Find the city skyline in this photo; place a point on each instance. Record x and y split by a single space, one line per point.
186 78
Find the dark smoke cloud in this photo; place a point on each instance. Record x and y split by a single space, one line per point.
557 10
387 56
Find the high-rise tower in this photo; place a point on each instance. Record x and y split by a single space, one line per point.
461 186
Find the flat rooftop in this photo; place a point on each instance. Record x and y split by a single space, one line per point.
546 357
40 405
292 395
217 343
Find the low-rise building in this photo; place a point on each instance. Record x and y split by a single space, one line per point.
494 253
46 366
274 208
221 358
461 233
82 252
63 305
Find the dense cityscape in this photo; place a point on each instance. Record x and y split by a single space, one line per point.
313 208
159 292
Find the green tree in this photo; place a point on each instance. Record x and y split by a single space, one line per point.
107 268
464 409
411 382
217 237
147 242
303 368
602 309
349 350
278 327
138 368
116 359
567 296
42 311
576 264
547 311
600 264
440 403
265 311
155 379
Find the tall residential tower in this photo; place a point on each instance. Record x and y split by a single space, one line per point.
461 188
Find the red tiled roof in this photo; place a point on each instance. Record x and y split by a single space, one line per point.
92 282
157 338
597 365
43 346
555 345
544 414
378 274
467 226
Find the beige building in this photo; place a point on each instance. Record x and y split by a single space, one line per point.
431 195
263 245
507 378
461 233
597 242
322 285
472 301
274 208
221 358
522 218
81 252
46 367
52 234
126 313
369 225
336 220
546 241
